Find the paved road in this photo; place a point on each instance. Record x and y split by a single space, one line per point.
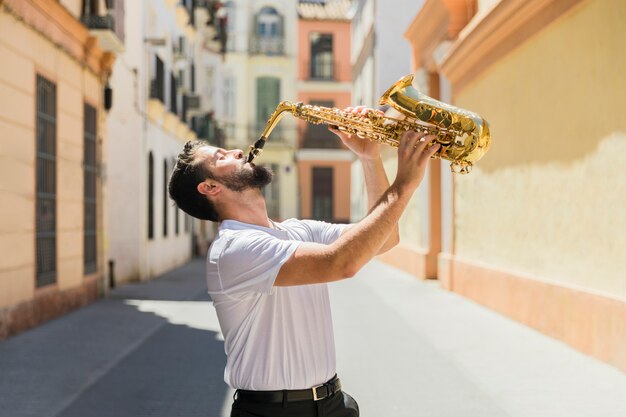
405 348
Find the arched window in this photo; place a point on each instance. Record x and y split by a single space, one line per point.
165 198
150 196
269 31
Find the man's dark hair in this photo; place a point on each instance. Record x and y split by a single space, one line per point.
183 187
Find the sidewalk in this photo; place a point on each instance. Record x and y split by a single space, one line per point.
404 348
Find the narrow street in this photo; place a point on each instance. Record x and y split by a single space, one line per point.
405 348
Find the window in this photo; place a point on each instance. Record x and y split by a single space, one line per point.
46 172
173 94
150 196
269 32
157 83
323 193
268 97
272 194
176 209
90 257
318 136
165 198
322 65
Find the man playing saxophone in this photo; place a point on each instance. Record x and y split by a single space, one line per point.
268 280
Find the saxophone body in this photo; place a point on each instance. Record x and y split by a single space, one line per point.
463 135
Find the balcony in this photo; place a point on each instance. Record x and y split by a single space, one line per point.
319 137
322 71
103 27
191 105
273 46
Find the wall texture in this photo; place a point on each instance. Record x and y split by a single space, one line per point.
549 198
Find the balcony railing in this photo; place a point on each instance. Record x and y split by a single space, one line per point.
322 71
103 25
267 45
106 22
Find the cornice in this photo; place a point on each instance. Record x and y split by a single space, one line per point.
59 26
426 31
437 21
491 35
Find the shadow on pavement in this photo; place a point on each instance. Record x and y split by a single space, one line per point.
176 371
151 349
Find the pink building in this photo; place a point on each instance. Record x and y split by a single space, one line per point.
325 79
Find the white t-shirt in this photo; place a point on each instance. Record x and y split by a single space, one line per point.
275 337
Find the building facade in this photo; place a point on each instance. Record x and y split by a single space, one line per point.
324 79
536 231
56 60
163 83
258 72
379 57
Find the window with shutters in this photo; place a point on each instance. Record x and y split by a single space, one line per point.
268 97
150 196
322 193
46 184
90 171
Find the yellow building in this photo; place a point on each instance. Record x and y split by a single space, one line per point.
537 231
53 73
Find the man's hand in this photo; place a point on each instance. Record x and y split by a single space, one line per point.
414 153
363 148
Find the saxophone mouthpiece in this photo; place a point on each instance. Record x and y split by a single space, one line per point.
256 149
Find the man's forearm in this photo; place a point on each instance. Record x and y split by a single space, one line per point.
376 183
364 239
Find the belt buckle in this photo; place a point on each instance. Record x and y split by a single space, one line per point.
315 397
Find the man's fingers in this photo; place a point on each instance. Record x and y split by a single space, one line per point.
423 142
432 150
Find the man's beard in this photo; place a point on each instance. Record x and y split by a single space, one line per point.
257 177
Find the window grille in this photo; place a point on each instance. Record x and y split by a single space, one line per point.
90 171
176 209
165 199
46 171
150 196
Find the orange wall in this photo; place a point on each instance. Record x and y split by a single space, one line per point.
341 47
341 187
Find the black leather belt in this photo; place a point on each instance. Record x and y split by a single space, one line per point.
316 393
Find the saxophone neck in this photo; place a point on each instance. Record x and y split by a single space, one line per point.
283 107
278 114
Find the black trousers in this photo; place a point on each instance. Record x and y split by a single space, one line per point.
337 405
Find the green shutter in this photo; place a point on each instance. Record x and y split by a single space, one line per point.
268 97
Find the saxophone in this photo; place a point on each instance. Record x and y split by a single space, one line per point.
463 135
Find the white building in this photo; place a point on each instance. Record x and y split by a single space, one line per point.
157 106
260 71
380 56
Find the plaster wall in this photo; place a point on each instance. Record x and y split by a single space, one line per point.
547 200
75 85
341 47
